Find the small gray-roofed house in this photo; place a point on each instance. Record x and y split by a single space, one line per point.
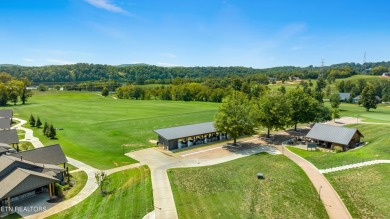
335 135
5 124
344 96
8 114
21 181
169 136
9 136
46 155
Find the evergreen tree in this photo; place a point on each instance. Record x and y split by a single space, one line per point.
52 132
45 126
32 120
48 131
38 123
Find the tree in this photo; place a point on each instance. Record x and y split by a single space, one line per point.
32 120
38 123
335 114
368 98
321 84
42 87
234 116
105 92
323 114
335 103
272 112
45 127
52 132
3 94
282 89
25 94
302 107
101 179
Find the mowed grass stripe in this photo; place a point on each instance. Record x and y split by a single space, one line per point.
96 128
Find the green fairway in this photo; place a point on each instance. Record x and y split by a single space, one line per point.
97 130
380 115
130 196
232 190
365 190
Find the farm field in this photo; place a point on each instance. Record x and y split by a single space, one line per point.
129 196
231 190
365 190
97 130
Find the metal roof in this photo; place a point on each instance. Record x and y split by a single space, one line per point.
5 123
186 130
330 133
46 155
344 96
21 181
9 136
6 114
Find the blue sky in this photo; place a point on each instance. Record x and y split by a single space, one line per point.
251 33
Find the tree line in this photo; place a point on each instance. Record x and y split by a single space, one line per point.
381 88
13 90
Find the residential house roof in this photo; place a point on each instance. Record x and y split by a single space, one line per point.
46 155
6 114
344 96
335 134
9 136
5 123
186 130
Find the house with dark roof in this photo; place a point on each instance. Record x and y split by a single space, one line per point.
8 114
335 136
188 135
9 137
24 174
5 124
344 97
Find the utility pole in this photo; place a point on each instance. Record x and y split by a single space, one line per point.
364 63
321 74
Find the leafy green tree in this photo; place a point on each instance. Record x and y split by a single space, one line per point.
3 94
335 114
323 114
273 112
25 93
105 92
234 116
321 84
45 127
32 120
340 86
335 100
42 87
367 98
101 179
38 123
282 89
302 106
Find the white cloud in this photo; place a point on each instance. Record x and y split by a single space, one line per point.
63 62
164 64
106 5
28 60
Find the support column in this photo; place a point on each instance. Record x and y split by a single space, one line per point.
9 205
50 192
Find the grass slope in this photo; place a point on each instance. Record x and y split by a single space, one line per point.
365 190
95 127
231 190
130 197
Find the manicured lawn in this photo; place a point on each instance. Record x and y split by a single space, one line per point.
130 196
95 128
25 145
379 115
79 180
377 148
232 190
365 190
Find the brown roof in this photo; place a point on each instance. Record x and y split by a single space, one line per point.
9 136
6 114
21 181
45 155
5 123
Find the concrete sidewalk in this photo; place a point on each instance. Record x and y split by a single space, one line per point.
333 204
356 165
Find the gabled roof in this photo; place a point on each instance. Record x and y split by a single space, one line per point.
9 136
45 155
329 133
186 130
344 96
6 114
21 181
5 123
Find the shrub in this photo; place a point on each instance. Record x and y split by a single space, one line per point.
338 149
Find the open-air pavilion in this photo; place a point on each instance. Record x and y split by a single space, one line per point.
188 135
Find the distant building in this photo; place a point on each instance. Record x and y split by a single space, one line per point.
344 97
331 136
357 98
386 74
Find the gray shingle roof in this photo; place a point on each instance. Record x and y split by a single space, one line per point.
334 134
21 181
186 130
9 136
5 123
344 96
46 155
6 114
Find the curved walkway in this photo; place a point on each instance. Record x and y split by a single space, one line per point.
332 201
356 165
89 187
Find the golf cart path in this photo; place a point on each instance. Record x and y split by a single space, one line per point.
355 165
159 163
87 190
